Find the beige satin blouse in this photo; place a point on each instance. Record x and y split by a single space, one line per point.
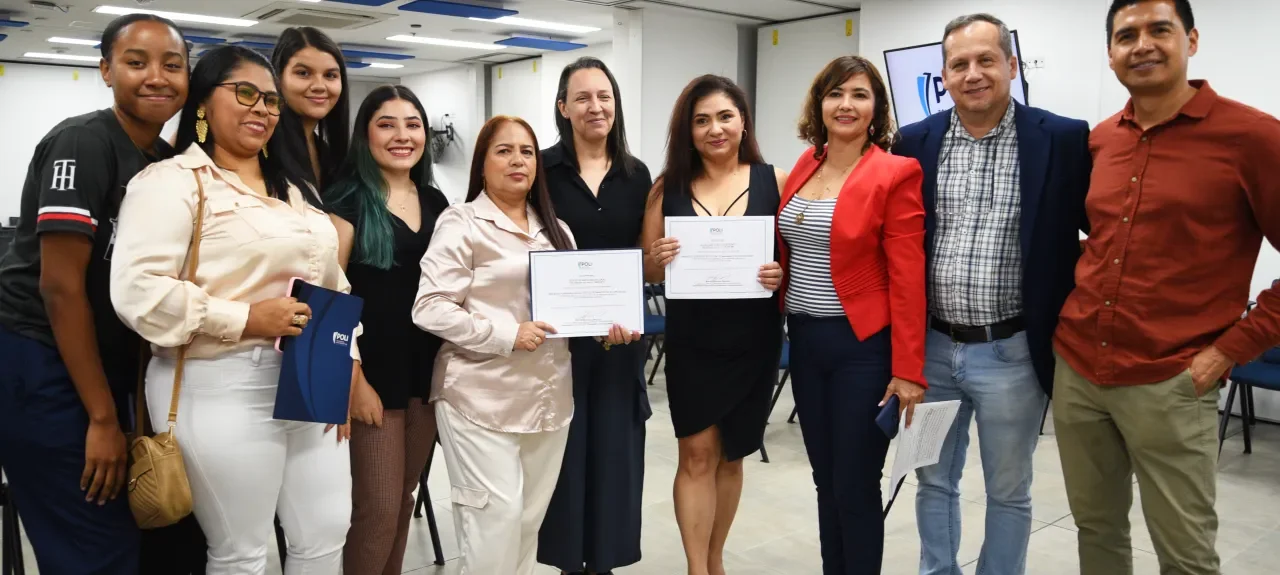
250 248
474 294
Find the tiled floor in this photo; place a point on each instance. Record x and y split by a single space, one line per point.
776 530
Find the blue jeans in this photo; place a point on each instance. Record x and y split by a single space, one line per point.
838 382
43 426
996 382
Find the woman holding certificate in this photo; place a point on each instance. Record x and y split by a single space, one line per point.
722 354
502 389
599 189
852 228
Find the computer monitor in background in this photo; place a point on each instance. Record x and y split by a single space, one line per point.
915 81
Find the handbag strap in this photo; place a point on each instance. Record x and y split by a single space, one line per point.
193 263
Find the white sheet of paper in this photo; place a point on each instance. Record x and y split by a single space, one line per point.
921 444
720 257
582 293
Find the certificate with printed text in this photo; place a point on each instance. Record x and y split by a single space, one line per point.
583 293
720 257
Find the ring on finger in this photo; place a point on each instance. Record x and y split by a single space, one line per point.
299 320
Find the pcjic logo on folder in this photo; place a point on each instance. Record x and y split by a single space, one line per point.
341 339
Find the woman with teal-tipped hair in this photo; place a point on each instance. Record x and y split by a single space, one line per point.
385 208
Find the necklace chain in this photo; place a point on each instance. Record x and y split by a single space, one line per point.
826 188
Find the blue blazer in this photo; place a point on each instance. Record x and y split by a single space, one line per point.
1055 162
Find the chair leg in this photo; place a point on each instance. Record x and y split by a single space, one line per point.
1246 415
1253 413
648 354
435 530
658 362
792 419
764 454
422 495
1044 417
282 546
778 393
1226 416
11 555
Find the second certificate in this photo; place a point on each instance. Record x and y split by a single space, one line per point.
583 293
719 257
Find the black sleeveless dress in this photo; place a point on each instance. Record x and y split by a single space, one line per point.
398 357
722 355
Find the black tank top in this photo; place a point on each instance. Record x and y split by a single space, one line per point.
725 324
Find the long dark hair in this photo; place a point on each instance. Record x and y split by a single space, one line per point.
539 196
214 68
331 141
358 194
619 154
684 163
812 128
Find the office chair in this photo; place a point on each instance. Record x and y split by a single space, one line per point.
1264 373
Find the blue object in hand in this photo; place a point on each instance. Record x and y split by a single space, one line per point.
887 419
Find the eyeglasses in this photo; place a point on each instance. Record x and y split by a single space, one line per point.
248 95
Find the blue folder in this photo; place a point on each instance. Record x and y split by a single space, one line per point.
315 378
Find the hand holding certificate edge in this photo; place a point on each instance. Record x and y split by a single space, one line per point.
665 250
619 335
531 334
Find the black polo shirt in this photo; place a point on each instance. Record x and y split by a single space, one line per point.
75 183
611 219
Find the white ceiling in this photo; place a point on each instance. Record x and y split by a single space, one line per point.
76 19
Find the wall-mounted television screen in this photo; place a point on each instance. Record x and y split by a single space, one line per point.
915 81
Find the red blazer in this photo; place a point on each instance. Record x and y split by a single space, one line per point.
877 251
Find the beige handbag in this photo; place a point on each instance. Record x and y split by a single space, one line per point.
159 493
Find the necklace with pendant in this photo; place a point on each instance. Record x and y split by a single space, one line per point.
826 188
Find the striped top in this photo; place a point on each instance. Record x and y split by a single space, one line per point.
809 287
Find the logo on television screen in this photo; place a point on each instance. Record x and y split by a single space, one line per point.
931 92
582 265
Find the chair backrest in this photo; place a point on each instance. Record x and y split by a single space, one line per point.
1271 356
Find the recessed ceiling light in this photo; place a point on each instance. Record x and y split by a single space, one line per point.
385 66
177 16
76 41
540 24
446 43
71 57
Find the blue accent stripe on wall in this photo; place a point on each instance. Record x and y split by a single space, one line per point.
376 55
365 2
540 44
203 39
357 65
254 45
455 9
3 36
13 23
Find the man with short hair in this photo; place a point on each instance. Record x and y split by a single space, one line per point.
1182 194
1004 198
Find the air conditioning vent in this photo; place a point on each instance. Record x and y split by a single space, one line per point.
327 18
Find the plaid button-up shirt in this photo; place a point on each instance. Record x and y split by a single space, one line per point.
975 276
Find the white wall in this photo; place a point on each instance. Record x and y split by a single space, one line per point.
677 48
1070 38
62 92
527 88
784 72
459 92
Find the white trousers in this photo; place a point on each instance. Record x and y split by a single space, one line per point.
501 486
245 467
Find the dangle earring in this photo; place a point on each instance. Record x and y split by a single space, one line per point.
202 127
264 151
872 130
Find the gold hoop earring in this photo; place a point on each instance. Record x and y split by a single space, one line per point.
202 127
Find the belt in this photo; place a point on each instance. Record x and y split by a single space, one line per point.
979 334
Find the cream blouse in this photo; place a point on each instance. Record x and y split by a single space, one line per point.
250 248
474 294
